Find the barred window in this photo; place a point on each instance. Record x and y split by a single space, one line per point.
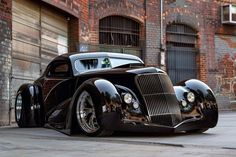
118 30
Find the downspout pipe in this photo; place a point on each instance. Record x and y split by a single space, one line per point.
162 50
161 27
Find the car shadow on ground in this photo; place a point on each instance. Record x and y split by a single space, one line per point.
115 135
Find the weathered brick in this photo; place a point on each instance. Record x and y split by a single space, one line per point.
5 56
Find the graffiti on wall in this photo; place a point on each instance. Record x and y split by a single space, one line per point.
225 47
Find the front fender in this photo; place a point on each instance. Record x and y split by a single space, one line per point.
109 103
205 99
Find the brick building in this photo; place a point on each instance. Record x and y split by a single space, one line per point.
184 37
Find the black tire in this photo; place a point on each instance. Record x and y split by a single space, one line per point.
195 131
81 101
20 111
28 110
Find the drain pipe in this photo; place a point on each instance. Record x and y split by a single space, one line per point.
162 50
161 24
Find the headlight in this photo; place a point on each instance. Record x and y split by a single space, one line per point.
186 107
190 97
135 105
127 98
184 103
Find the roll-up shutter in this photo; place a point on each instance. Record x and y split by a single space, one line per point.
54 35
39 34
181 52
25 43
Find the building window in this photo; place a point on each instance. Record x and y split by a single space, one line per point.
118 30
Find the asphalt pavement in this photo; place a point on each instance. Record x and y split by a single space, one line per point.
41 142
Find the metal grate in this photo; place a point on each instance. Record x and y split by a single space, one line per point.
161 102
118 30
181 52
161 81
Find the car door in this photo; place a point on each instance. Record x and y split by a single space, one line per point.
58 88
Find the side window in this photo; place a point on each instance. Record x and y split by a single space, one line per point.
91 64
59 69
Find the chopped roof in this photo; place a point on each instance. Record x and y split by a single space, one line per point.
74 56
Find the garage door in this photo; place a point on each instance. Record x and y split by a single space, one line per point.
54 35
39 34
25 43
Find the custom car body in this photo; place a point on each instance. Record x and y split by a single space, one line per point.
97 93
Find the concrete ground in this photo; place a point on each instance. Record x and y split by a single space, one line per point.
41 142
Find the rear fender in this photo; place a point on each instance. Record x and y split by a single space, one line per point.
32 95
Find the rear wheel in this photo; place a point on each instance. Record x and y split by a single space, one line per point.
86 116
20 111
28 108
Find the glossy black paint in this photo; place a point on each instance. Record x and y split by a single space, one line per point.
58 96
32 104
206 101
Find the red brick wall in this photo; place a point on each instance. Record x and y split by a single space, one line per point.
152 49
5 59
73 31
201 16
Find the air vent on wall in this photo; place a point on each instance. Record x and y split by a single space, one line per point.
228 14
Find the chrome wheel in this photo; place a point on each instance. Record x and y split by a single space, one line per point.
86 113
18 107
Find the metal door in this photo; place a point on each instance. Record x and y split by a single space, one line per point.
181 52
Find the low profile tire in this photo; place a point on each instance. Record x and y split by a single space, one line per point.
21 111
197 131
28 111
87 116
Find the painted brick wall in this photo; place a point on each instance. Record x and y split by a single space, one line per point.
5 59
216 42
224 78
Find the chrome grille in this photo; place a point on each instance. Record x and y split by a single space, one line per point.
159 96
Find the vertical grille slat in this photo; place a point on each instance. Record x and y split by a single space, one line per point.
160 99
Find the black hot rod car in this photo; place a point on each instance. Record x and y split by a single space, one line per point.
98 93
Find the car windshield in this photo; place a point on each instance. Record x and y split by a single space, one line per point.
82 65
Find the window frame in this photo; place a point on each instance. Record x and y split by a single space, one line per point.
54 64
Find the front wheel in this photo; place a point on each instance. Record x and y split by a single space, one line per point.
86 116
